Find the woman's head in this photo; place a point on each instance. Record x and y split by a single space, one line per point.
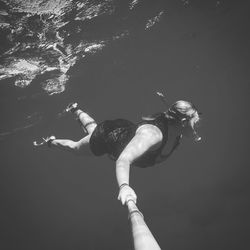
186 114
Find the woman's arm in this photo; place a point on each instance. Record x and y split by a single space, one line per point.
147 136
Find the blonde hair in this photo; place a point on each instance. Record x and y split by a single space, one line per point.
183 110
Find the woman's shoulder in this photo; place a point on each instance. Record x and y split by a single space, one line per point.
150 129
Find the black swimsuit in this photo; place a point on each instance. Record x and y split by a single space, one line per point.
112 136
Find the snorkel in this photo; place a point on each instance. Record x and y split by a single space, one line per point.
197 138
181 116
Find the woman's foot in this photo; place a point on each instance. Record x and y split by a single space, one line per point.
72 107
44 141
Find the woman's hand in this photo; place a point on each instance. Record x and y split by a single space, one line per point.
126 193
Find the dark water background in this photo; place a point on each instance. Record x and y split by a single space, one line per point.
199 198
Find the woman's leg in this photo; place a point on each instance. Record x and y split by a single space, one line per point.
80 147
87 122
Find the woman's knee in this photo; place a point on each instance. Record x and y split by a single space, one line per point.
91 127
74 146
82 147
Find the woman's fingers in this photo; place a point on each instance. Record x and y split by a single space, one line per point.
127 193
131 198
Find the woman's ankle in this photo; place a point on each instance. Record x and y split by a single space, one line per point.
77 112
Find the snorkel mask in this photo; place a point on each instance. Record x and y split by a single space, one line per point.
177 115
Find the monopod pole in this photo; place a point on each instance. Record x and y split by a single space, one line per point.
142 237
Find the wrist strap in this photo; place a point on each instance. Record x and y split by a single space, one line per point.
123 185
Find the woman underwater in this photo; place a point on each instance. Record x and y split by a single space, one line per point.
128 144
